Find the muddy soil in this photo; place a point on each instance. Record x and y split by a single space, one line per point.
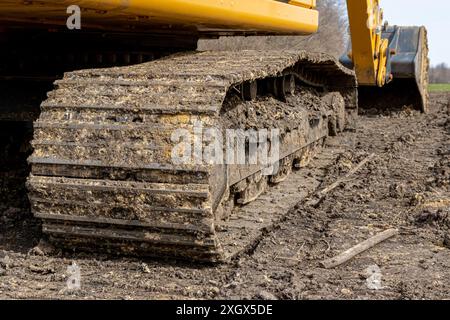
406 186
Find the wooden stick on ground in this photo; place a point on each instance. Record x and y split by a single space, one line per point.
348 175
320 196
359 248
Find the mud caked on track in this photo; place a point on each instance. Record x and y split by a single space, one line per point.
103 170
405 186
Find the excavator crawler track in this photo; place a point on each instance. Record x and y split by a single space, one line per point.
103 175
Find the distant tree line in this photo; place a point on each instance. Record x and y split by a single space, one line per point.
331 38
440 73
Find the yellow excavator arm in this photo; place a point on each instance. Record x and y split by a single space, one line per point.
370 51
381 54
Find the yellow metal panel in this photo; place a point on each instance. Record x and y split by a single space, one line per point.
365 18
245 15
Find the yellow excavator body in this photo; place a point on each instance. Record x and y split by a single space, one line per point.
202 16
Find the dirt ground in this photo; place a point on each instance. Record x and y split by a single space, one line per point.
406 186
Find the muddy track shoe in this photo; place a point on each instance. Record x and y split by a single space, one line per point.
103 171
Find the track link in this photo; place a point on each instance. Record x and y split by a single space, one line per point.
102 173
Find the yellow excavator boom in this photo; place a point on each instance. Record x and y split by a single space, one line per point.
369 49
390 62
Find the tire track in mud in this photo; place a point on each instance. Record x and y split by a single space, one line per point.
395 190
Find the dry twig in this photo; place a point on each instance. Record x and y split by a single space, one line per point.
359 248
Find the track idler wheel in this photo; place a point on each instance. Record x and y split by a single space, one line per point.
249 90
285 168
281 87
254 187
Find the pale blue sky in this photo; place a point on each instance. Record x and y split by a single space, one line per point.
434 14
